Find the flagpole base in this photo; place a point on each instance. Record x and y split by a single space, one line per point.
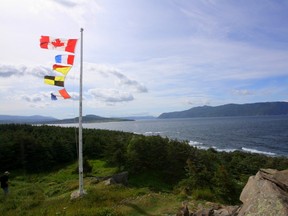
77 194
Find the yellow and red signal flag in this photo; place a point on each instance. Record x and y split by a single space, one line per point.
62 68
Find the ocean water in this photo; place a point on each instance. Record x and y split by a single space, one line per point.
265 135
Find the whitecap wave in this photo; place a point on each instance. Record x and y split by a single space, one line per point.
223 150
151 133
257 151
198 145
194 143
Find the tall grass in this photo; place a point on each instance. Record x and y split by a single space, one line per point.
49 194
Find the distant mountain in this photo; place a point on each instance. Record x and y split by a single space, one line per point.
9 119
253 109
88 119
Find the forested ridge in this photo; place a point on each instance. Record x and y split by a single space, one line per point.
253 109
207 174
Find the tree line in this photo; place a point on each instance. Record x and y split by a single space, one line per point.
204 174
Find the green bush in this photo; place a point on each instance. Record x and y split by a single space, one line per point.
204 194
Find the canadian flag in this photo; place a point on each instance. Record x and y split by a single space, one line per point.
68 45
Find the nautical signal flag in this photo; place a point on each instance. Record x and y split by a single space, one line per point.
61 68
54 80
64 93
63 62
65 59
53 96
68 45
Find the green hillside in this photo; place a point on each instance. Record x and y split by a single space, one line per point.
49 194
42 161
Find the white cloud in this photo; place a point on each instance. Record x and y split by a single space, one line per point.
7 71
243 92
111 96
32 98
67 3
125 81
107 71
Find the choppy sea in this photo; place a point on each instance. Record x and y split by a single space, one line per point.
261 134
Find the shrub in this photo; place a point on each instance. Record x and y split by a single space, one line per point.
204 194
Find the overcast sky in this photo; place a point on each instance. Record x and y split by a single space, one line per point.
144 57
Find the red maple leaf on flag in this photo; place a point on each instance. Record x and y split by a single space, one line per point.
57 43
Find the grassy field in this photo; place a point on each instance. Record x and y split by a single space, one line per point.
49 194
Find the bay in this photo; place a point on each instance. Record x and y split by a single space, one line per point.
260 134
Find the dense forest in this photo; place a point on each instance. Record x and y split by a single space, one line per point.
205 174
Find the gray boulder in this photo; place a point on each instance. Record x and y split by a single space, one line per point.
217 211
266 193
120 178
183 211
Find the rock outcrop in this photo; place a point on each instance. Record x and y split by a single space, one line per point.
266 193
217 210
183 211
120 178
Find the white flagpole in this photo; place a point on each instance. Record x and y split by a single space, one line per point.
81 186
